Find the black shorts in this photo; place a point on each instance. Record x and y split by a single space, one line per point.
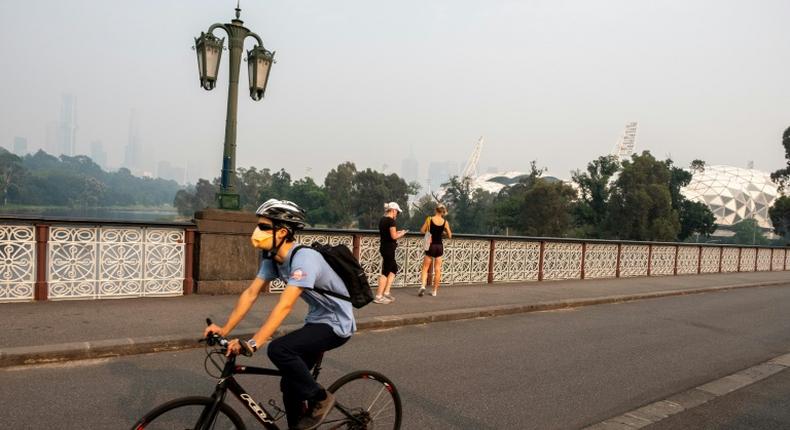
388 263
435 250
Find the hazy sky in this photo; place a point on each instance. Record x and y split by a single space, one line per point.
368 81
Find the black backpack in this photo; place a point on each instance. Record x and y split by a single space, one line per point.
343 262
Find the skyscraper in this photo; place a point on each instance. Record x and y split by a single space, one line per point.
67 126
410 168
133 154
98 154
20 146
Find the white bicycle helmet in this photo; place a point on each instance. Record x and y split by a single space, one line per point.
284 211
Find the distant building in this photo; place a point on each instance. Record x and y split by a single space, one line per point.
20 146
98 154
734 194
66 134
165 170
439 172
409 168
133 153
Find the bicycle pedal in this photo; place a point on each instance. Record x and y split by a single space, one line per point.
278 412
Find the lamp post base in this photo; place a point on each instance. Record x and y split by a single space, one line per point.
228 201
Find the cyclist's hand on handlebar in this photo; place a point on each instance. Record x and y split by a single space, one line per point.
238 347
213 328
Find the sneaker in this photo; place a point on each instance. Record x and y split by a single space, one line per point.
381 300
317 413
389 296
433 293
421 292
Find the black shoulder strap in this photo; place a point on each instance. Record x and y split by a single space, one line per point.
318 290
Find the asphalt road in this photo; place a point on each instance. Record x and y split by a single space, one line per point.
550 370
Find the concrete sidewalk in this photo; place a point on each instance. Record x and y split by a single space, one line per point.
68 330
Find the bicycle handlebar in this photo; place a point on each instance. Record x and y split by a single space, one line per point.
215 339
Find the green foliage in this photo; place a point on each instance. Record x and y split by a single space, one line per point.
535 207
747 232
780 217
695 217
467 207
782 176
371 189
11 174
43 180
592 209
339 186
641 207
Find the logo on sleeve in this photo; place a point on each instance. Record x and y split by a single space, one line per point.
298 275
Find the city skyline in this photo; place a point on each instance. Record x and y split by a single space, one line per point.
552 82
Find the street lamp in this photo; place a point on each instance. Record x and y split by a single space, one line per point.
259 61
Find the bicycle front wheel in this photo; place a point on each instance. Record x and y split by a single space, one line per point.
185 414
365 400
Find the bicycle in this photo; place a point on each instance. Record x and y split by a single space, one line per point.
356 407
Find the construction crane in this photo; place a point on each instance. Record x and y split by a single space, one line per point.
470 171
626 143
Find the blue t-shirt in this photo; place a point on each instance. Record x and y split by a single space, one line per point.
309 270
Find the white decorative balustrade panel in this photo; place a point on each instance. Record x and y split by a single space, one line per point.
710 260
662 260
763 259
600 260
633 260
465 261
787 260
562 260
73 260
163 267
688 259
103 262
323 238
17 262
748 256
729 260
516 260
777 264
120 262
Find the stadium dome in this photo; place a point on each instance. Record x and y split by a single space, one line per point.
734 194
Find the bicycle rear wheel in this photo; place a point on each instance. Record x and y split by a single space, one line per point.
184 413
365 400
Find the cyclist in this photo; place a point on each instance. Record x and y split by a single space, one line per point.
329 322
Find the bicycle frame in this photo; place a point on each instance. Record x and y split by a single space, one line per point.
228 383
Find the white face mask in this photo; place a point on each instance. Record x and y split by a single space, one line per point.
259 238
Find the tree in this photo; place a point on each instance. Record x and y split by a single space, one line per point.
697 166
591 209
249 183
695 217
371 189
11 172
467 207
748 232
535 207
782 176
780 217
310 196
339 185
640 207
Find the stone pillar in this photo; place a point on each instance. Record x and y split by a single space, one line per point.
225 261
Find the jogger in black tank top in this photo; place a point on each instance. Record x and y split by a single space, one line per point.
438 226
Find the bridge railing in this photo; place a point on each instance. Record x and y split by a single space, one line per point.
55 259
479 259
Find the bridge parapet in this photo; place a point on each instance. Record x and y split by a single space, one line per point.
60 259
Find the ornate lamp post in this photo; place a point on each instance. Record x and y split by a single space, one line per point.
259 60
